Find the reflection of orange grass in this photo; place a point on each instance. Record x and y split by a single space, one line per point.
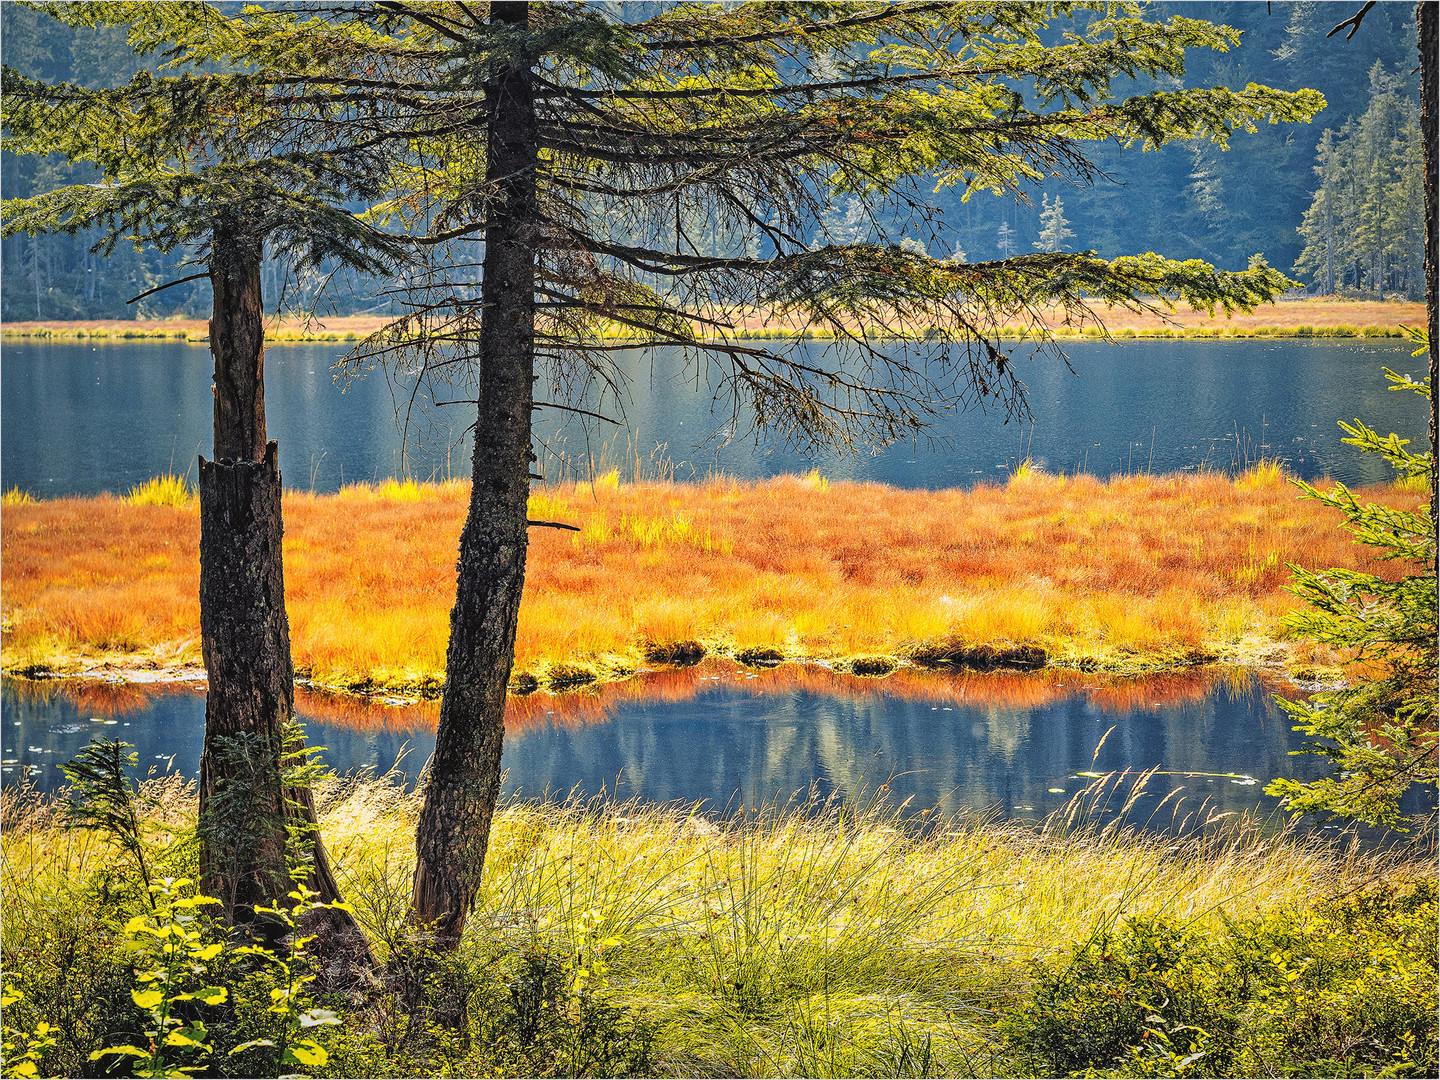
1138 569
109 701
1001 690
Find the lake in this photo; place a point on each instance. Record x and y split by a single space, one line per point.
1013 744
79 418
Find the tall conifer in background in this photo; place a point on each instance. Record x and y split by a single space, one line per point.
1054 226
1365 228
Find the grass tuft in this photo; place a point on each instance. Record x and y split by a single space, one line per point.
166 490
794 937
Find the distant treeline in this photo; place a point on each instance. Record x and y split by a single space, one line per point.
1338 201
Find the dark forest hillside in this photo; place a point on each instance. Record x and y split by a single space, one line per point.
1183 202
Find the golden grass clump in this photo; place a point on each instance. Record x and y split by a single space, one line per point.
1134 572
166 490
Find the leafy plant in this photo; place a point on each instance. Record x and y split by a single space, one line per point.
1382 727
22 1050
291 969
172 938
103 798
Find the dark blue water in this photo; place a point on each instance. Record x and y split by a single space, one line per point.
77 418
736 742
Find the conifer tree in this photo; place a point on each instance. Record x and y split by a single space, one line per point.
190 162
566 151
1054 227
1380 730
564 147
1364 229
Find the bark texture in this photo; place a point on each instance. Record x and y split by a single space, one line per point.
245 633
245 638
237 342
1427 14
464 778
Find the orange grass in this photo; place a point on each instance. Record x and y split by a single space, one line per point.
1134 572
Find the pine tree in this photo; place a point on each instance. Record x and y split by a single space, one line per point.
1005 239
566 146
1054 227
1365 226
1380 730
570 150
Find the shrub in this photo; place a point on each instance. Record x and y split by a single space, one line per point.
1347 988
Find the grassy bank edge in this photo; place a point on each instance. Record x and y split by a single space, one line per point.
290 335
587 673
769 941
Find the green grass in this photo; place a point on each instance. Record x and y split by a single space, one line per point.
815 938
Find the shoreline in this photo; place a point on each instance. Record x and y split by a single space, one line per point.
1319 319
116 672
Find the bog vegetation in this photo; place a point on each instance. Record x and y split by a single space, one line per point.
806 939
1134 572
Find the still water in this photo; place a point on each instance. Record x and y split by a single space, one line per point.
77 418
1013 744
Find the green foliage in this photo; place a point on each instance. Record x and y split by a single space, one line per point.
1365 229
292 1045
22 1049
102 797
550 1016
174 955
1380 729
1347 988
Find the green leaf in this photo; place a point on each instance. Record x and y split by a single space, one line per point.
252 1044
126 1050
211 995
147 999
305 1052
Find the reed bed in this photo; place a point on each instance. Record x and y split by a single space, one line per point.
808 937
1131 573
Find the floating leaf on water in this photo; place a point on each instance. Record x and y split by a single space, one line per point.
1057 791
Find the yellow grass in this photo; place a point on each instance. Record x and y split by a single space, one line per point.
1322 317
1135 572
730 931
167 490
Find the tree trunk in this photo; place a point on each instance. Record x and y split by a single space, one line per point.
1427 14
244 632
464 777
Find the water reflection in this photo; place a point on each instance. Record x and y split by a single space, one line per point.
1019 744
80 418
